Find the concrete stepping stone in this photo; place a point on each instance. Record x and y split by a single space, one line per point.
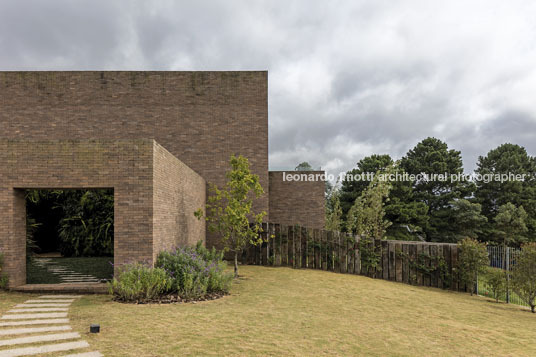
34 322
59 296
40 338
23 331
46 301
34 316
44 309
43 305
39 350
86 354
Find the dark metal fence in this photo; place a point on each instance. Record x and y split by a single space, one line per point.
503 258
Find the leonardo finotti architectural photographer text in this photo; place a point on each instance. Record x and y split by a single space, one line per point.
422 177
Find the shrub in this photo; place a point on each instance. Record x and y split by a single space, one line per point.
472 260
3 277
195 272
140 283
524 275
497 282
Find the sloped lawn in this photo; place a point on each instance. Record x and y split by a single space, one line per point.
280 311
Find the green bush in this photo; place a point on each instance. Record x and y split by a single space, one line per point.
472 261
524 275
140 283
3 276
496 279
196 272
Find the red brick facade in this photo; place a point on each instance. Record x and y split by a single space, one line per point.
157 138
133 168
297 202
202 118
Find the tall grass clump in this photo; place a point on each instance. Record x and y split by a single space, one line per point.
138 282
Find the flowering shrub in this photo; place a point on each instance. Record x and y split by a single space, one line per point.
195 272
189 273
3 277
139 283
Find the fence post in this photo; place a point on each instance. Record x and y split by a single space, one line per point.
507 275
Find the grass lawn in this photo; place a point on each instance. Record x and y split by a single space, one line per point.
98 267
281 311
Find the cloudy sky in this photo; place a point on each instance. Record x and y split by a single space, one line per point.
346 78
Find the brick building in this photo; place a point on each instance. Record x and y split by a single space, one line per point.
156 138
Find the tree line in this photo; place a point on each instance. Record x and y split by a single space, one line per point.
501 212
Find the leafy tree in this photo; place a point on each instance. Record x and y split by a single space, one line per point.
465 221
428 158
491 194
352 189
86 228
497 282
304 166
408 216
510 224
229 210
472 260
524 275
334 213
366 218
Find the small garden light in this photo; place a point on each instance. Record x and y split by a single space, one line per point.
94 328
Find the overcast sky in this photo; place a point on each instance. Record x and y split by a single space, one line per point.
346 78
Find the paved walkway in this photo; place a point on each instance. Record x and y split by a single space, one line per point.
39 327
66 275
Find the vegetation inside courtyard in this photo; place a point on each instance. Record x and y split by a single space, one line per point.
75 223
282 311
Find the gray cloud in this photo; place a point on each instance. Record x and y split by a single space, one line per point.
347 78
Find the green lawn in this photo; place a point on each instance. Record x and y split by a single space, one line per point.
98 267
281 311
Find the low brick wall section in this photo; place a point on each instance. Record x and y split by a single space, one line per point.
297 202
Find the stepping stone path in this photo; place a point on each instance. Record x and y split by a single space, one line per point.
39 327
66 275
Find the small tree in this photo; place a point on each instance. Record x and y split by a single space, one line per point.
524 275
472 260
334 213
497 282
366 219
229 210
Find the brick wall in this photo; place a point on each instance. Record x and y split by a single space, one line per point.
199 117
178 192
297 202
133 168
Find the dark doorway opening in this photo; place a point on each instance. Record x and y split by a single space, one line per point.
69 236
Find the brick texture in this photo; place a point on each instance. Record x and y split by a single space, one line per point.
132 168
178 192
199 117
297 202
